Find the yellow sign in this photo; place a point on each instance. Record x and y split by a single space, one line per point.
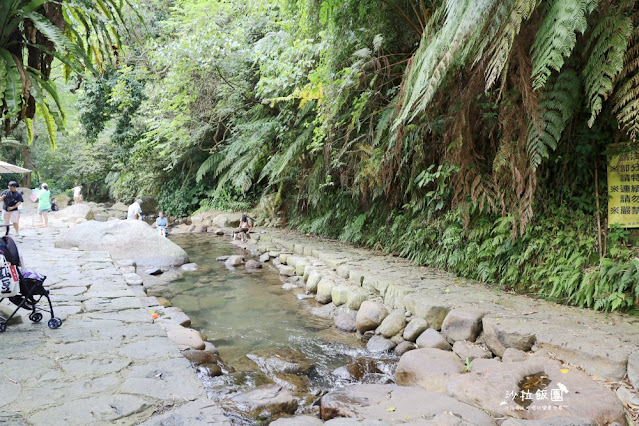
623 189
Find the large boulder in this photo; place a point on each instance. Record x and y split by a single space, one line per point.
73 212
423 306
462 324
124 239
497 388
432 339
393 323
227 220
428 368
415 328
120 207
399 404
205 217
324 290
62 200
265 400
503 333
370 316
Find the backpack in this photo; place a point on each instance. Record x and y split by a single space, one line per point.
9 250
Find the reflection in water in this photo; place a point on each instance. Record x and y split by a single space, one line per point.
245 313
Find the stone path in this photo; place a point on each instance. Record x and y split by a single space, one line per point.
107 364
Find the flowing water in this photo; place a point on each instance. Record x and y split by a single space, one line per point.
251 320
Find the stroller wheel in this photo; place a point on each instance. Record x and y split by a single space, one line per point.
35 316
3 326
54 323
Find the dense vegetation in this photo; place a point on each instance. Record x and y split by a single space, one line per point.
466 135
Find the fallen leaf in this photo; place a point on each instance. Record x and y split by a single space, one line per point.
390 409
564 370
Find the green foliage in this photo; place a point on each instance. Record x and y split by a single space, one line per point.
559 102
607 46
464 135
626 96
446 45
486 251
556 37
227 200
179 197
33 34
507 24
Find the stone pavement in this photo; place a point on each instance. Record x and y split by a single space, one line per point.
107 364
606 345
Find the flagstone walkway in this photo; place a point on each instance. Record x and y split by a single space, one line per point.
107 364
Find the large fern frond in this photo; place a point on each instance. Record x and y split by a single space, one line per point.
499 51
607 46
441 50
558 104
276 166
38 82
207 166
43 110
12 83
557 36
626 99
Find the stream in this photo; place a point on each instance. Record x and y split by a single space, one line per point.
251 320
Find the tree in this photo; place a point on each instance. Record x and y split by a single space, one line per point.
82 34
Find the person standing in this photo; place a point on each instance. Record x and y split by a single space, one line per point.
12 199
44 205
77 193
135 211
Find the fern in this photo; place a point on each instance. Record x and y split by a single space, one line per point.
12 86
275 167
556 37
626 99
241 159
558 104
209 165
43 110
499 51
50 31
41 85
29 124
607 44
441 51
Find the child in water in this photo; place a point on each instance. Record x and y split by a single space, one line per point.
161 224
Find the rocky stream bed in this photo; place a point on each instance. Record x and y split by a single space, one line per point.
467 354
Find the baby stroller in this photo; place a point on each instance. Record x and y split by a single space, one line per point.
23 288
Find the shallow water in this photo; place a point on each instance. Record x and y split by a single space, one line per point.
248 314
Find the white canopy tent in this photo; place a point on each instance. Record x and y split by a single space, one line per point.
12 168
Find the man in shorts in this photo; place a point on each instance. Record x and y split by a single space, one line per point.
12 199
